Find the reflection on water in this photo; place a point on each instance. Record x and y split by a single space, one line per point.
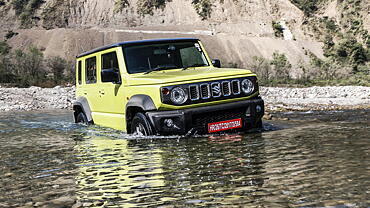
313 160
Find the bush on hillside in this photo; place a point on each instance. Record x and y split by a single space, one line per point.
120 4
203 8
309 7
145 7
278 29
25 9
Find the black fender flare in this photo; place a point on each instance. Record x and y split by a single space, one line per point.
82 103
138 103
144 102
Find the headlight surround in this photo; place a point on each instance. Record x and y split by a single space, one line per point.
178 96
247 86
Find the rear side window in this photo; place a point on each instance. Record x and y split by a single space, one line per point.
90 70
109 61
79 73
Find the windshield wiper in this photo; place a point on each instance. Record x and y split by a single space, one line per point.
194 65
158 68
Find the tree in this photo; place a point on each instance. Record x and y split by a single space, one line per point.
57 66
281 65
28 66
262 68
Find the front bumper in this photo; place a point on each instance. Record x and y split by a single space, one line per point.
196 120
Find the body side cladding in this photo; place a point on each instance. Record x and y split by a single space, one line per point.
81 104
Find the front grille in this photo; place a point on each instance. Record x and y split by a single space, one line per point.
214 90
226 88
235 85
203 119
205 92
194 92
210 91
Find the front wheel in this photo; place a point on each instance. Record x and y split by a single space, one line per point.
259 124
141 126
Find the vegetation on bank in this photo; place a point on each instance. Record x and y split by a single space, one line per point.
25 10
28 67
277 72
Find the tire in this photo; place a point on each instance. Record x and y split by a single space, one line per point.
259 124
141 126
81 118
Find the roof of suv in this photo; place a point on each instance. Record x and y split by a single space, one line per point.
138 42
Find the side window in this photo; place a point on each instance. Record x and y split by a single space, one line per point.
79 72
90 70
109 61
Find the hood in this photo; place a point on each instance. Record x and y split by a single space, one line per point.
173 76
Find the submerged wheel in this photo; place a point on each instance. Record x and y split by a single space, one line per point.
259 124
81 118
141 126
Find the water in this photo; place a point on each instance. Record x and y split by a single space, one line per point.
312 160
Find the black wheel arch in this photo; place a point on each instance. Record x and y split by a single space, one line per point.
138 103
82 105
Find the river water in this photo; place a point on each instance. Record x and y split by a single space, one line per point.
314 159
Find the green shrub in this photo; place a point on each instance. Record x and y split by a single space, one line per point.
203 8
309 7
120 4
25 9
145 7
278 29
4 48
28 66
281 66
262 68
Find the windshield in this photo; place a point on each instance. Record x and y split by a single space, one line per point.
163 56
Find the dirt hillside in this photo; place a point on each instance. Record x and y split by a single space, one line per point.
232 30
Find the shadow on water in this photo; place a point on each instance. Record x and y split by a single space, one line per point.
313 160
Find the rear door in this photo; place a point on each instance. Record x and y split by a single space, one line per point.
90 86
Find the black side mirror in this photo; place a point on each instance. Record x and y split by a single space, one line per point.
216 63
110 75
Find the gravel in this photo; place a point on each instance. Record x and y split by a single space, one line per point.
316 98
276 98
36 98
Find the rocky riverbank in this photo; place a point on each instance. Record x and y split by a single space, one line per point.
36 98
277 99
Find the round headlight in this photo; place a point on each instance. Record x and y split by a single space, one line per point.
247 86
178 96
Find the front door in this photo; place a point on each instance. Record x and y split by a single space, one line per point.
111 95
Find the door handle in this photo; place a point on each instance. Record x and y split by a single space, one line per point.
85 92
102 92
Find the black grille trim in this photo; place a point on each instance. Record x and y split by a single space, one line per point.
194 92
201 92
205 92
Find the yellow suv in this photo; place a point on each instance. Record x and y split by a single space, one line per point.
166 86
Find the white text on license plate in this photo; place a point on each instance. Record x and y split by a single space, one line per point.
225 125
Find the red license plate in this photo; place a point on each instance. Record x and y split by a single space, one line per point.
225 125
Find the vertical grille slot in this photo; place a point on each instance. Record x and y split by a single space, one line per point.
226 88
194 92
216 89
235 85
205 92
